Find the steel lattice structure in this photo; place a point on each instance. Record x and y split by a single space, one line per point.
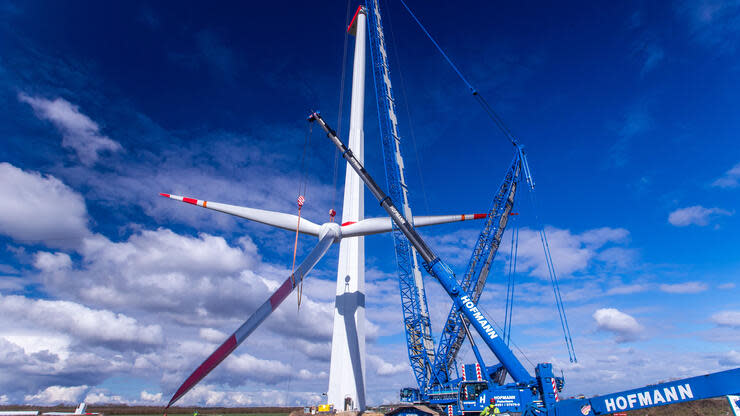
474 279
413 298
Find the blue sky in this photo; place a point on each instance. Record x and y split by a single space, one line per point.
111 293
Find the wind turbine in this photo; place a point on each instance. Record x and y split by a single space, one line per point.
347 373
327 233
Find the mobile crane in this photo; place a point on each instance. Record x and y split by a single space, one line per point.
531 395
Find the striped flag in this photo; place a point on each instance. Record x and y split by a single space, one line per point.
301 200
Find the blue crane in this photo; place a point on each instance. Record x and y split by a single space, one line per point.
432 371
417 324
531 395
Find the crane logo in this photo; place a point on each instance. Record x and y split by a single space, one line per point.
585 409
470 305
649 398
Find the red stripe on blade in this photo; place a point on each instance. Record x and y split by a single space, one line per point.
479 216
348 223
209 364
282 293
165 195
190 201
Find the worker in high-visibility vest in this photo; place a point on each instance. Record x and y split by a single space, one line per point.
491 409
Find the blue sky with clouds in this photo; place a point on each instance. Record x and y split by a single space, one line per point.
110 293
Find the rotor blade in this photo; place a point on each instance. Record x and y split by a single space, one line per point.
383 225
256 319
276 219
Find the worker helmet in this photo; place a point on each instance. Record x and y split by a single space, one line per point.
493 401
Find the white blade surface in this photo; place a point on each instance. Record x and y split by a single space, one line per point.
276 219
384 224
254 321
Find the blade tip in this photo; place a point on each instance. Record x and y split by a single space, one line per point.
164 195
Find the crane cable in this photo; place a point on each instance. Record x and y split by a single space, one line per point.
332 211
509 135
511 282
395 48
554 281
482 101
302 191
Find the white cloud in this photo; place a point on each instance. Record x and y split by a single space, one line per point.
731 178
40 208
32 342
79 132
212 335
186 273
627 289
57 394
151 397
384 368
624 326
212 395
686 287
79 321
103 397
570 252
696 214
265 371
727 318
52 262
731 358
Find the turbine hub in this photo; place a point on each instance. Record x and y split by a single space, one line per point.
331 228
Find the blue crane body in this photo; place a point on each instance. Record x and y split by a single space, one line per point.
472 392
417 325
528 394
432 371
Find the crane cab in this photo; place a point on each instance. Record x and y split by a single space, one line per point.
470 396
409 395
474 396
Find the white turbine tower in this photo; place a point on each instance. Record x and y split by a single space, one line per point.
347 375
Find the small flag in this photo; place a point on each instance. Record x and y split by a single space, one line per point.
301 200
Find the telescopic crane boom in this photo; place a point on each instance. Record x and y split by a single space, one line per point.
436 267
